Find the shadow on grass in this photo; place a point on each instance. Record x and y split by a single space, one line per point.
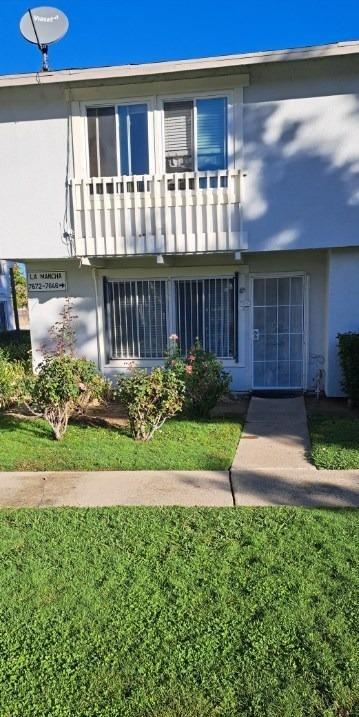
341 431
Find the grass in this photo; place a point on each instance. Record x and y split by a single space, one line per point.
141 612
27 444
335 442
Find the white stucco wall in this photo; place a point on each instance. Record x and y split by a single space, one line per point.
34 153
343 309
300 155
44 309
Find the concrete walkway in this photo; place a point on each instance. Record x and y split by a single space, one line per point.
275 436
106 488
271 465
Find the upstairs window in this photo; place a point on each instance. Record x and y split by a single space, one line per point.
133 132
101 126
118 140
195 135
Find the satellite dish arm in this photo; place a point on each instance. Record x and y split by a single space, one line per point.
43 48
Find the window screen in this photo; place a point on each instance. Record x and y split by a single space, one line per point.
205 310
179 152
101 125
136 318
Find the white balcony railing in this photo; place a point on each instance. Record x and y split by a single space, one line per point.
155 214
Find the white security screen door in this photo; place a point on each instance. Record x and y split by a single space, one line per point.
278 327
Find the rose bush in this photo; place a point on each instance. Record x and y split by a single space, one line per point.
150 399
203 375
64 386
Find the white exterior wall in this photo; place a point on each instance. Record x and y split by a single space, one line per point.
294 134
298 120
301 122
342 309
34 150
44 310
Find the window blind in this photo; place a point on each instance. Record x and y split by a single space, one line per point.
212 134
178 121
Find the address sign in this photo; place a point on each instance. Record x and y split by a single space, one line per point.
52 281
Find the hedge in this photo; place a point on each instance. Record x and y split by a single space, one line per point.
349 359
17 345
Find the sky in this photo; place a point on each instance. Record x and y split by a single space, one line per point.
111 32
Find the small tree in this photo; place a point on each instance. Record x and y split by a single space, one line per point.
150 399
20 286
64 386
62 334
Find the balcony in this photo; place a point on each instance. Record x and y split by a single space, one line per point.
157 214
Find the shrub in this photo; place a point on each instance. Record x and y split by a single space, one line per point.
16 345
204 377
65 385
349 359
12 381
150 398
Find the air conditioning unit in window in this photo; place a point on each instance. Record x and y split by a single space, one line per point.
179 163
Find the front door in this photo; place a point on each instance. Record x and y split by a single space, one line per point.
278 332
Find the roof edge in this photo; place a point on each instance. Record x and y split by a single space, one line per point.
154 69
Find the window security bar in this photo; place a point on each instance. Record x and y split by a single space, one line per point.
139 320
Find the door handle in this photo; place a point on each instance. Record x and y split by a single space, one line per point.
255 334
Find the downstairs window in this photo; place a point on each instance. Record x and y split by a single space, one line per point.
139 322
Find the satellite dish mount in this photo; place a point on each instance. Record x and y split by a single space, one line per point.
42 26
44 49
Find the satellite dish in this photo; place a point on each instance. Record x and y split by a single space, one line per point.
42 26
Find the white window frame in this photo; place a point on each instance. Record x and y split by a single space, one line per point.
124 363
149 101
228 95
156 146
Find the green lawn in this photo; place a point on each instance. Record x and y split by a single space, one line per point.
141 612
27 444
335 442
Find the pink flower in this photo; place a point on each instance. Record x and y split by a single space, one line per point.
173 337
191 358
188 369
